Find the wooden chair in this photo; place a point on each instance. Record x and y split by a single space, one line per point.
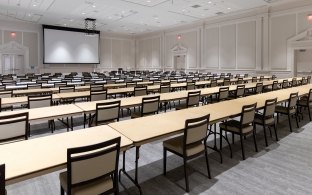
254 79
190 145
107 112
66 89
213 83
190 86
290 110
242 128
305 102
5 94
39 101
14 127
285 84
192 100
140 91
96 87
266 119
92 169
149 106
98 95
2 179
239 92
34 86
226 82
222 95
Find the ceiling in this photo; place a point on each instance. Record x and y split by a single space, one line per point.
122 16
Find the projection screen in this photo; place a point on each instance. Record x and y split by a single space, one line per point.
70 46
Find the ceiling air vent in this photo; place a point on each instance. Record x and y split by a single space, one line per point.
271 1
219 13
195 6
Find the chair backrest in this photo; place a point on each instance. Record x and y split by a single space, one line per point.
275 85
240 91
304 81
246 75
240 81
140 91
261 78
14 126
150 105
248 114
87 164
39 101
195 131
34 86
98 95
259 87
213 83
131 84
190 86
96 87
274 77
226 82
254 79
285 84
310 96
164 88
60 84
193 98
292 101
294 82
269 108
2 179
5 94
108 111
66 89
223 93
309 79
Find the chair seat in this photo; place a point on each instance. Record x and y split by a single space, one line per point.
234 126
97 187
176 145
181 106
304 102
284 110
267 121
136 115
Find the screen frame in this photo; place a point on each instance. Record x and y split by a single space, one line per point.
61 28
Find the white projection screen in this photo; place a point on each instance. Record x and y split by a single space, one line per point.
70 46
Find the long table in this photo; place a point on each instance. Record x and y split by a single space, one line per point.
168 124
39 156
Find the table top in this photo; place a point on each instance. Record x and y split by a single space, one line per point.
28 158
173 122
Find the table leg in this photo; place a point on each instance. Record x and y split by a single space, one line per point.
123 169
214 147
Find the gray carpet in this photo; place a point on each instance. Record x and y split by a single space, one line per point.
284 167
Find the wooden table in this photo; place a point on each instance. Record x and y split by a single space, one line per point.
39 156
140 130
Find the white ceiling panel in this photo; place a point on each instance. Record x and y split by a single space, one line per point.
123 16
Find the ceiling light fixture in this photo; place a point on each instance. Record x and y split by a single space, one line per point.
90 26
309 17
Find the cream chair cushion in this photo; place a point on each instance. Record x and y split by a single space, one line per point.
258 119
234 126
96 187
176 144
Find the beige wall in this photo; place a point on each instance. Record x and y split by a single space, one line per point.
253 41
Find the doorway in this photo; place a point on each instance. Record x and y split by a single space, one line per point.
12 64
179 62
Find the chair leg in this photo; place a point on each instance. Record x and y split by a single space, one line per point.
297 122
165 161
187 189
309 112
233 139
220 138
242 146
62 191
289 123
207 162
265 136
255 140
275 130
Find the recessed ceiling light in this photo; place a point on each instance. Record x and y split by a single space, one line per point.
148 1
34 5
94 6
71 20
228 8
83 13
209 2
